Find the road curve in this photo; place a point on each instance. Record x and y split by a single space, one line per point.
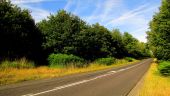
109 82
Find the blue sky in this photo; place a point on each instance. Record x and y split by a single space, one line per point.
131 16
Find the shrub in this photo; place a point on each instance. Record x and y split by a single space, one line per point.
64 60
155 60
129 59
164 68
106 61
21 63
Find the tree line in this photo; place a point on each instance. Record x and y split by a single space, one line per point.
159 34
63 33
159 37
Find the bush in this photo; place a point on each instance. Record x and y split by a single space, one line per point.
129 59
64 60
22 63
155 60
164 68
106 61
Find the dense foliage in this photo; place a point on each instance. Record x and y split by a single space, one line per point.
129 59
64 60
94 42
164 68
66 33
159 34
19 36
159 37
106 61
61 33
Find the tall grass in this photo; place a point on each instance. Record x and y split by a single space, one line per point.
13 75
155 84
21 63
164 68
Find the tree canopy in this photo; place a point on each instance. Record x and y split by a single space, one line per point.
159 34
19 36
62 32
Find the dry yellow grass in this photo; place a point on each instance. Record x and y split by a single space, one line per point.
155 84
13 75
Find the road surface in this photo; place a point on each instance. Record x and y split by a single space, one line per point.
109 82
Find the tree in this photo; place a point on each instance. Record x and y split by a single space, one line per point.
132 46
67 33
19 36
159 34
94 42
118 44
60 32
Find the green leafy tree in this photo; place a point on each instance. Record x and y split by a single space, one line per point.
159 35
132 46
94 42
67 33
59 32
119 44
19 36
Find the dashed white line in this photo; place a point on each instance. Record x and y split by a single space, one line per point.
112 72
83 81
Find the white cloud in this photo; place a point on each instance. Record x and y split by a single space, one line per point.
140 33
135 21
109 5
69 4
129 15
79 6
37 13
110 13
103 10
28 1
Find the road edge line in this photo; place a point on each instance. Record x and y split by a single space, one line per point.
135 90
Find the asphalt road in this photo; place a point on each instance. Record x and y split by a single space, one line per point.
110 82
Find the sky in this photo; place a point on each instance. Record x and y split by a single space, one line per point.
131 16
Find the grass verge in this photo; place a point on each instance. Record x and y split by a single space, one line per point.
14 75
155 84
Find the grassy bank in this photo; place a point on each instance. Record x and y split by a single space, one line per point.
155 84
10 75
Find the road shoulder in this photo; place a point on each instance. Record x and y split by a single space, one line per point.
138 86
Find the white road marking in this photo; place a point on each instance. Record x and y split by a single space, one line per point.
27 95
112 72
84 81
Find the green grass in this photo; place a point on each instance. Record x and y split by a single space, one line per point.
164 68
21 63
155 84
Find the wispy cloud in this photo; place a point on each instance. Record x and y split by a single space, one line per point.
109 5
103 10
135 21
129 16
68 5
28 1
82 5
37 13
114 13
